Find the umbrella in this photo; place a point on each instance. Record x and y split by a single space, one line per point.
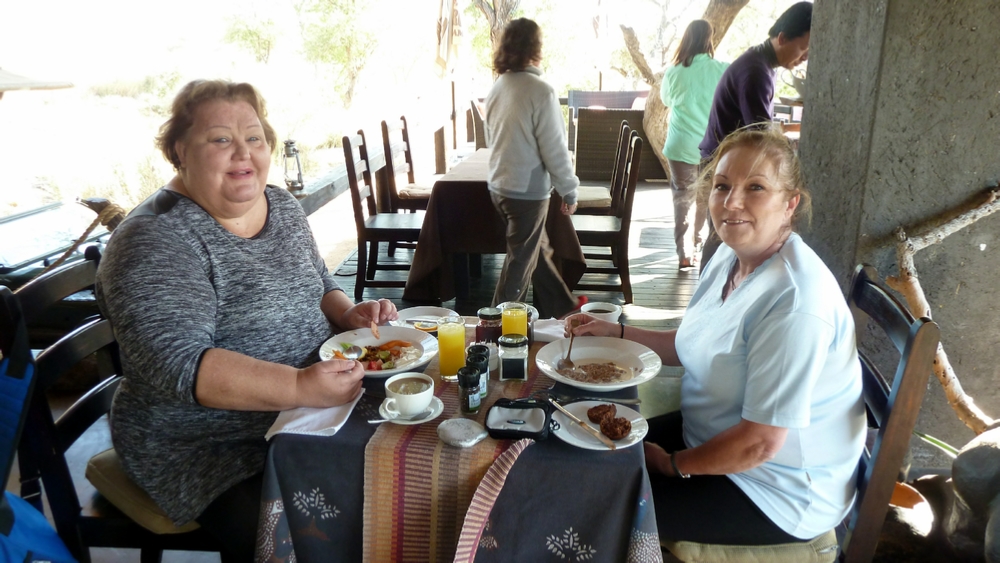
11 81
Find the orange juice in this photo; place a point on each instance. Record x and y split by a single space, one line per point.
515 319
451 347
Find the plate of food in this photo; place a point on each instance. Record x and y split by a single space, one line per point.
601 363
624 426
396 349
422 318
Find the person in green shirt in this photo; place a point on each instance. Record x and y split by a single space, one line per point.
687 89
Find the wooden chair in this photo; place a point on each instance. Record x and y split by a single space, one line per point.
612 231
892 409
399 160
374 227
600 199
121 514
479 125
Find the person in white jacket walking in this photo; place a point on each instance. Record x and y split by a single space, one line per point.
524 127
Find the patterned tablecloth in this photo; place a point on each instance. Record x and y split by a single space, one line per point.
389 492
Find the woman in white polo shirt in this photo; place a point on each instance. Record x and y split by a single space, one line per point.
772 422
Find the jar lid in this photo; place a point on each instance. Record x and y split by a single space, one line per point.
513 340
468 376
477 349
490 314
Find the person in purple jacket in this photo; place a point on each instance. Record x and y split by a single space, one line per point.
745 94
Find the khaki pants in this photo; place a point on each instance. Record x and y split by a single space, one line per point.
529 258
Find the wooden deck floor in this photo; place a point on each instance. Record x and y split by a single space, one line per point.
661 291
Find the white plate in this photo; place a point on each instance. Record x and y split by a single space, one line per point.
436 406
571 433
643 362
427 344
421 312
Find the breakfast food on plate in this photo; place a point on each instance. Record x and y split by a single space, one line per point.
600 413
375 330
616 428
391 355
597 372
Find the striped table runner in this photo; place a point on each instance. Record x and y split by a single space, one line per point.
418 489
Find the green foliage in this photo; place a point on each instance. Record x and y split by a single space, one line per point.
945 447
257 37
157 87
334 36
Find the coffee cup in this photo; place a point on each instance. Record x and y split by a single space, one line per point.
408 394
602 311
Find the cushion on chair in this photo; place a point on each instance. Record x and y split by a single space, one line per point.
106 473
593 196
415 191
822 549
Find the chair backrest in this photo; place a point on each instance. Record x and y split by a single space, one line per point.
398 156
621 158
359 177
891 408
47 290
630 178
479 125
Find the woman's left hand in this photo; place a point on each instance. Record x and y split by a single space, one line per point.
657 459
568 209
363 314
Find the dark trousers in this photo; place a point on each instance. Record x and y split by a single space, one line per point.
232 519
705 508
529 258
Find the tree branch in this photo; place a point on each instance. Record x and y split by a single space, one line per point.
634 51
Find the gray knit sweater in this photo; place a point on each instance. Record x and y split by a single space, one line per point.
175 283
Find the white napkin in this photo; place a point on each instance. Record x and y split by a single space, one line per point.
547 330
314 422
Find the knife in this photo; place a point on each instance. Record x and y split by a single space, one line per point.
597 434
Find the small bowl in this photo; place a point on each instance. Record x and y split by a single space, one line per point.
602 311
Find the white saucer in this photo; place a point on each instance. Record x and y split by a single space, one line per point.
436 406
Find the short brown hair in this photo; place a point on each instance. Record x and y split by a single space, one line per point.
697 40
771 144
520 44
196 93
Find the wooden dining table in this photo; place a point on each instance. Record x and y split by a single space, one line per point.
388 492
461 221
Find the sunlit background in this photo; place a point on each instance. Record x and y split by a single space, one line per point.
326 69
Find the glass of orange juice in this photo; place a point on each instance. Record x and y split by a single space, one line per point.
451 346
515 319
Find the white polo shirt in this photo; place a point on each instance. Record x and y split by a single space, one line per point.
779 351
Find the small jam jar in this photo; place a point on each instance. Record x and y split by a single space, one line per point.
490 325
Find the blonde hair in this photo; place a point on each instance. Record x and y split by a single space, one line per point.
196 93
770 144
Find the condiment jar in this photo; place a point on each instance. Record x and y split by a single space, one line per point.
513 357
490 325
468 389
481 362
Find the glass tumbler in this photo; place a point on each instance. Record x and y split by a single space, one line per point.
451 346
515 319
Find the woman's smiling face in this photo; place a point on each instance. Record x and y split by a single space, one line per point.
751 210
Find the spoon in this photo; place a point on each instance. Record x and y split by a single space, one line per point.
414 418
566 363
354 352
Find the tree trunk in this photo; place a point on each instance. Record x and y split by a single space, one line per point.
498 13
721 13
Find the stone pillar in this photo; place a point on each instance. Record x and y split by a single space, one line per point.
901 124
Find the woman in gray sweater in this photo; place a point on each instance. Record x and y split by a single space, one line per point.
220 301
524 128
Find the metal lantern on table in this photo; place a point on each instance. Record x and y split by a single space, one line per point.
293 168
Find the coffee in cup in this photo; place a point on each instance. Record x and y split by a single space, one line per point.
408 394
602 311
